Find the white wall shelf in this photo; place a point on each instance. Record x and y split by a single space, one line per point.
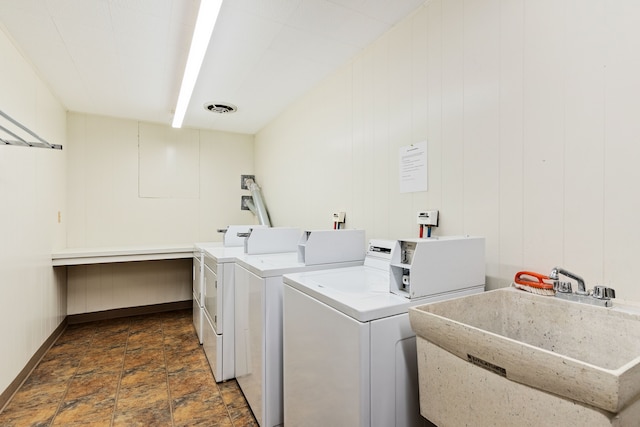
84 256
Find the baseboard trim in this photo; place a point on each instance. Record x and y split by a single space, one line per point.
73 319
116 313
8 393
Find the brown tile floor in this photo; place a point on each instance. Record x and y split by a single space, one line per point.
136 371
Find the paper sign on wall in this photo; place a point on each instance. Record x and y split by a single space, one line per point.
413 167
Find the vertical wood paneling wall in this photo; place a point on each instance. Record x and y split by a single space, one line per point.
530 113
33 297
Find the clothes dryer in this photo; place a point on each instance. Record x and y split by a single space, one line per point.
198 285
218 320
231 238
218 289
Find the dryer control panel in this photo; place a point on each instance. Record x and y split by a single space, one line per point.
425 267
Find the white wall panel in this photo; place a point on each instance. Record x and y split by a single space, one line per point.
223 158
168 162
530 115
419 109
32 191
379 146
452 156
400 126
360 173
105 205
333 146
481 125
621 151
433 101
584 139
511 139
131 284
544 119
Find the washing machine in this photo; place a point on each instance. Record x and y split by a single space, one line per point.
349 354
258 312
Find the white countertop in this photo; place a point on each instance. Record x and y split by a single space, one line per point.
103 255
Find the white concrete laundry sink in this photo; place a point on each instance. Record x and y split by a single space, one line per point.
585 353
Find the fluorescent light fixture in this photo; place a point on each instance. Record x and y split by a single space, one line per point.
207 16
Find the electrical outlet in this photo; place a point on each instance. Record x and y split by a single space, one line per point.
428 218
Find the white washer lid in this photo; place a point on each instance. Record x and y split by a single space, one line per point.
271 265
360 292
224 254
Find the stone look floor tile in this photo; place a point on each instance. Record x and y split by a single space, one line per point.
38 416
180 342
179 361
100 360
109 340
87 385
55 370
92 410
199 406
144 338
113 325
157 415
137 371
152 358
187 382
141 388
34 394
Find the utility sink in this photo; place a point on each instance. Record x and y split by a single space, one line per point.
585 353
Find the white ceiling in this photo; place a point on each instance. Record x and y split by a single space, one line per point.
125 58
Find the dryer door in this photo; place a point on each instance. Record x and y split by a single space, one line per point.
212 296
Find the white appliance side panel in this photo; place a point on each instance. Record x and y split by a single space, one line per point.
249 341
241 319
196 289
394 374
212 344
198 279
227 280
272 388
213 294
326 364
197 318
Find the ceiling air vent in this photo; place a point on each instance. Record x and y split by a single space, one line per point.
221 108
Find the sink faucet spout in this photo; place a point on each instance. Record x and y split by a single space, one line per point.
582 290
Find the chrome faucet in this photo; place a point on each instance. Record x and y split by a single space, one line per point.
600 295
554 275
